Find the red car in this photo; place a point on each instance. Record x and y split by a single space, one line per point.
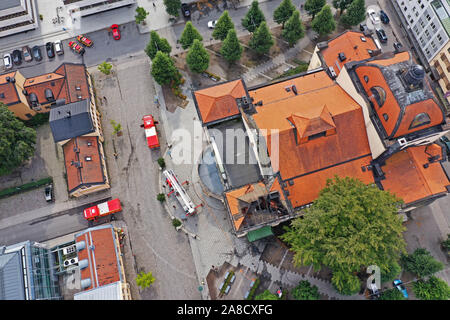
84 40
150 131
76 47
115 32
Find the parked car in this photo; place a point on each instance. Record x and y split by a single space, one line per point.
212 24
49 193
115 32
384 17
50 49
36 51
362 27
7 61
59 48
76 47
85 40
397 46
17 57
399 285
373 16
446 142
27 54
381 35
185 10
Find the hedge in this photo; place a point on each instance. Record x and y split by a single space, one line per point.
25 187
227 282
253 289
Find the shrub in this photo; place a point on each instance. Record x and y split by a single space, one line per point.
25 187
176 223
422 263
226 282
446 243
161 197
392 294
37 120
253 289
162 163
304 291
433 289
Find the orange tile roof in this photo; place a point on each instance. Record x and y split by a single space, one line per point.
306 188
91 172
103 265
8 89
390 59
347 143
219 101
409 180
351 44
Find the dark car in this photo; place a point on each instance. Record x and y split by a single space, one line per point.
397 46
185 10
50 48
384 17
381 35
17 57
49 193
362 27
36 52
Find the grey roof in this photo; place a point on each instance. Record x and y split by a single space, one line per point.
7 4
11 277
107 292
79 122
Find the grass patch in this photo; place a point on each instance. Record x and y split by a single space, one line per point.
293 71
25 187
227 282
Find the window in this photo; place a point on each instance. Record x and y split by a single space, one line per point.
379 95
385 116
2 95
366 79
420 120
317 135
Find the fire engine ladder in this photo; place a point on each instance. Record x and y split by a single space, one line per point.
181 195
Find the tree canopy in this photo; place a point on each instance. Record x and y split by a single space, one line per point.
324 23
231 49
293 30
222 26
355 14
173 7
141 14
422 263
253 18
105 67
163 69
341 5
304 291
433 289
350 226
261 41
156 44
266 295
144 280
283 12
197 58
190 33
313 7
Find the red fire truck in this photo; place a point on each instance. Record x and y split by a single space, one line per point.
150 131
102 209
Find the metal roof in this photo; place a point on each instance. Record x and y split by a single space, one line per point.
8 4
11 276
71 120
110 291
259 233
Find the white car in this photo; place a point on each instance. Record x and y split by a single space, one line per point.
7 61
373 16
212 24
59 48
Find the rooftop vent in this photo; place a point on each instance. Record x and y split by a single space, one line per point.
8 79
89 143
332 72
85 283
294 89
25 92
80 245
83 264
414 75
78 88
2 95
33 99
88 158
342 56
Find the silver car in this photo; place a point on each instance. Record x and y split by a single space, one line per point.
59 48
7 61
373 16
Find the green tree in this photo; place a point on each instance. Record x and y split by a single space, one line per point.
422 263
350 226
341 5
16 141
433 289
141 14
355 14
304 291
313 7
253 18
161 197
266 295
222 26
283 12
231 48
392 294
163 69
261 41
190 33
391 273
197 58
156 44
117 127
105 67
144 280
324 23
293 30
173 7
